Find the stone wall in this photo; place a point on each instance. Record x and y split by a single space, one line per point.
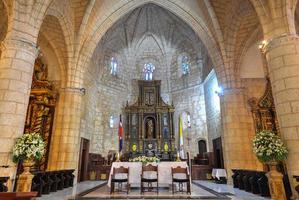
212 103
191 100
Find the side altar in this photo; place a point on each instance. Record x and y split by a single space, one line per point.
149 123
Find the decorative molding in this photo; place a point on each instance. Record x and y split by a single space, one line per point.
278 41
227 91
81 91
20 44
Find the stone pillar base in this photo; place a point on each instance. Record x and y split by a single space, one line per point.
276 185
25 182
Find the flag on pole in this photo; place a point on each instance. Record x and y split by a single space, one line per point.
120 134
181 137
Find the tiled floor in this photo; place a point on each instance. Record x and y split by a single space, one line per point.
209 191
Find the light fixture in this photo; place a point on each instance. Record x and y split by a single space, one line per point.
83 90
219 90
263 44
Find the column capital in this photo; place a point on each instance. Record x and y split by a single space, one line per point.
272 43
20 44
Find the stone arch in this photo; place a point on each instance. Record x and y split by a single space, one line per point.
188 16
52 31
3 21
244 20
270 15
256 36
296 18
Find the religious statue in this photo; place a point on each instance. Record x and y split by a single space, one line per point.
150 129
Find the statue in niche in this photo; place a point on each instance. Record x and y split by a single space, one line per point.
150 129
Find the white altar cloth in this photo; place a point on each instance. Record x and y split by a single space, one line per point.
135 170
217 173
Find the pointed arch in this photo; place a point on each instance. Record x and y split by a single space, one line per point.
87 48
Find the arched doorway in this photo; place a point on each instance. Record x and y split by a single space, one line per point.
202 146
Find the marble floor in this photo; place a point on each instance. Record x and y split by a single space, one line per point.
200 190
70 193
228 190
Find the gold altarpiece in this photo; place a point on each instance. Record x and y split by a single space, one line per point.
149 122
41 108
263 111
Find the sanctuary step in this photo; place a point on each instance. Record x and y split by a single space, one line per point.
18 195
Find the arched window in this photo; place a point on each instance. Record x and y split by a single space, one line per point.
111 122
113 66
185 64
186 119
148 71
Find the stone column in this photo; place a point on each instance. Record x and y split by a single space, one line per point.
16 68
65 140
282 54
237 132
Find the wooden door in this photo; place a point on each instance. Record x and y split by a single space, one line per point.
202 146
218 154
83 160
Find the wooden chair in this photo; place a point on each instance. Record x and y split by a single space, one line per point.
149 181
180 181
120 181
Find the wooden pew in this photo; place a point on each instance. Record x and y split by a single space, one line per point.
51 181
3 181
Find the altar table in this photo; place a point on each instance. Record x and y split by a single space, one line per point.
135 170
217 173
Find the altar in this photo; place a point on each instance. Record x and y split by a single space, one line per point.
135 169
149 123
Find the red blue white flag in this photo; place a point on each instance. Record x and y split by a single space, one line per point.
120 134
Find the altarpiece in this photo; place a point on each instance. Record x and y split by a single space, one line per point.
149 123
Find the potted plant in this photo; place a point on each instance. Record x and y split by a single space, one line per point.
145 159
28 149
269 149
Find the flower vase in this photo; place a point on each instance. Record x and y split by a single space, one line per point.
25 179
27 164
275 182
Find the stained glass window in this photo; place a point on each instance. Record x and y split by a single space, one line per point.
185 64
113 66
148 71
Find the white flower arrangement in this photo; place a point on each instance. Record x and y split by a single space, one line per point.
268 146
144 159
29 146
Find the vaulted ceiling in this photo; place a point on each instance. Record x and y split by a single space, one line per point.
164 28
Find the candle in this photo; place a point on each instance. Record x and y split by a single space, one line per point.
178 156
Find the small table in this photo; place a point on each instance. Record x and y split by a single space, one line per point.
219 175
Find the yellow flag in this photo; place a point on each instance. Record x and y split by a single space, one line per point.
181 130
181 137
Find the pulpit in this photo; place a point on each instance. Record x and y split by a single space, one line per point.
149 123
